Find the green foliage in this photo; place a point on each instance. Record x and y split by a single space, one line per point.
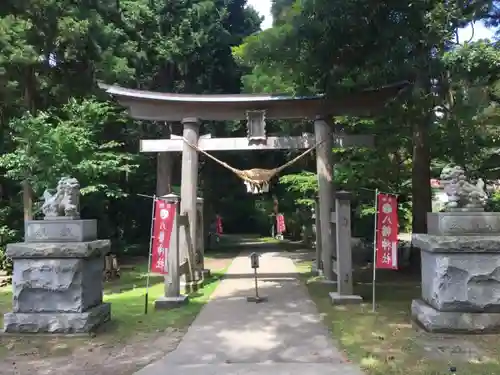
66 142
55 123
494 202
7 235
303 186
470 112
334 46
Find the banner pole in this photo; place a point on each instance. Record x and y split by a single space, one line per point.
374 250
146 296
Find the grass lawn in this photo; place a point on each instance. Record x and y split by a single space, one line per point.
386 342
128 321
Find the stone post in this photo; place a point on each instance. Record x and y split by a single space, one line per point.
324 167
201 237
172 297
57 281
317 232
344 255
343 262
189 187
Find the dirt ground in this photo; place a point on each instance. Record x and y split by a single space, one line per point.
94 358
90 356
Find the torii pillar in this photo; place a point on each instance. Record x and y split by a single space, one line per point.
189 188
324 170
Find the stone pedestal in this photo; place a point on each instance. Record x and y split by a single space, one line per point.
460 275
60 230
463 223
57 286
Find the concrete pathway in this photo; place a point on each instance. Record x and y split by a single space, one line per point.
283 336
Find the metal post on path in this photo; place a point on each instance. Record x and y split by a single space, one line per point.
254 259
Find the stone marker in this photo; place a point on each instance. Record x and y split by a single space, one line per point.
343 264
57 281
460 262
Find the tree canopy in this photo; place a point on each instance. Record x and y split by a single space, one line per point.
56 121
335 46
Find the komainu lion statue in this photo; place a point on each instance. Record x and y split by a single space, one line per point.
462 195
64 202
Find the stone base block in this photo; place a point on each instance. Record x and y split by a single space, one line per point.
460 273
340 299
165 303
436 321
57 322
57 250
63 285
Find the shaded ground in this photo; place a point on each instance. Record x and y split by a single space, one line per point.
129 342
386 342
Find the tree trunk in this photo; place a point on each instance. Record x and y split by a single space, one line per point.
164 174
27 201
421 175
421 190
164 166
29 101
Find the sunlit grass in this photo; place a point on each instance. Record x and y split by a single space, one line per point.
386 342
269 240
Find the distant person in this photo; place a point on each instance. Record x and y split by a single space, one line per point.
216 229
218 222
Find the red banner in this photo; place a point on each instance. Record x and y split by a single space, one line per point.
218 222
280 223
387 232
162 231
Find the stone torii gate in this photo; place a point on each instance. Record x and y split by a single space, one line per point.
190 110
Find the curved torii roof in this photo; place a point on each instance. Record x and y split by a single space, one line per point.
156 106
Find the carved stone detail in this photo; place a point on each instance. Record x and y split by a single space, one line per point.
65 202
462 194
